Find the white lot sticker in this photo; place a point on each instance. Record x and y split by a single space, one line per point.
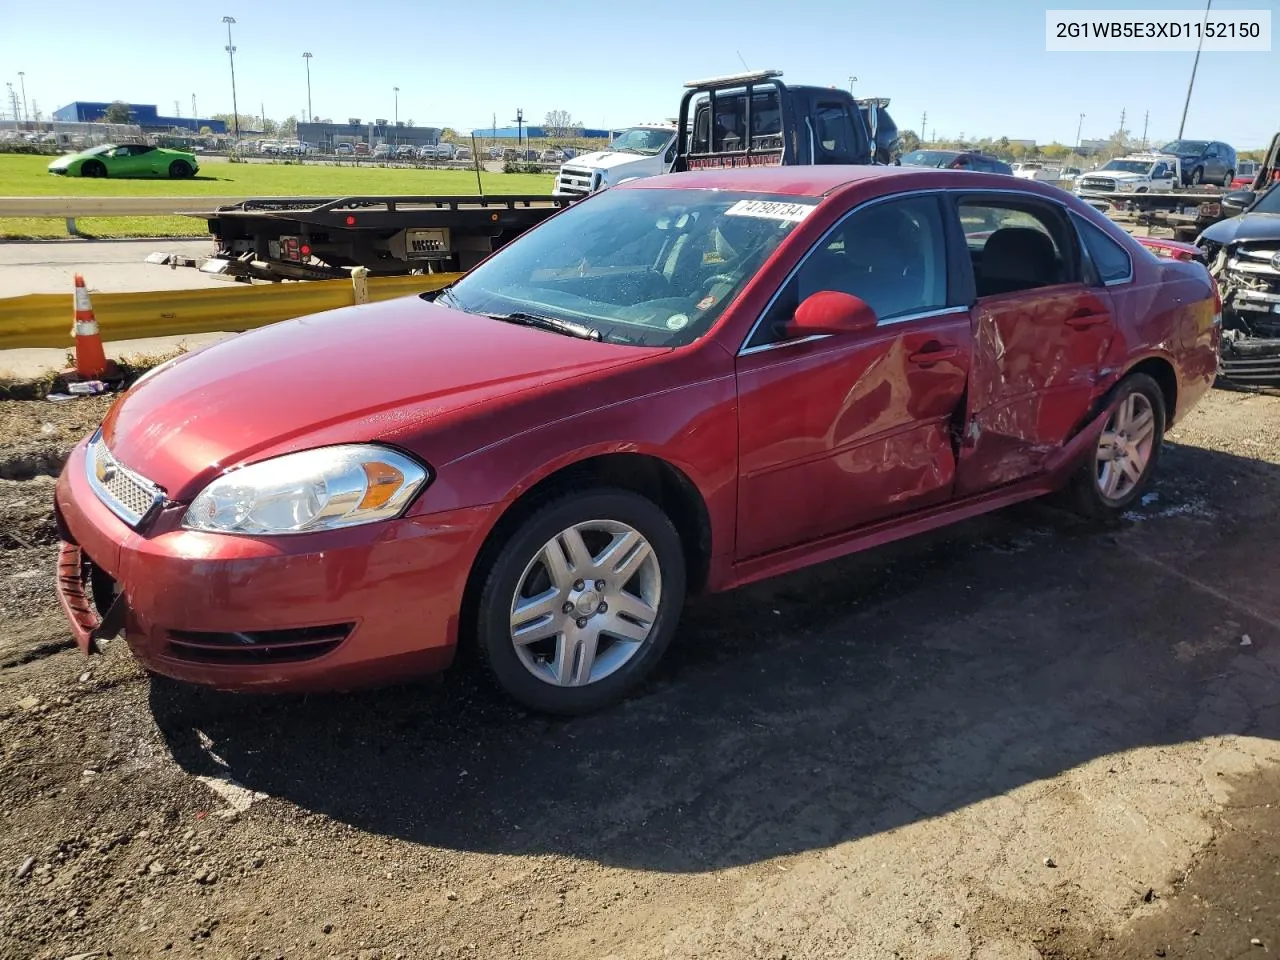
677 321
771 210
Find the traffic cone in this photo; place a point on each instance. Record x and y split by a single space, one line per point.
91 359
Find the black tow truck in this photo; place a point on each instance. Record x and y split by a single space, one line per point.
748 119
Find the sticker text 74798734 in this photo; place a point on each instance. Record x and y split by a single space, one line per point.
771 210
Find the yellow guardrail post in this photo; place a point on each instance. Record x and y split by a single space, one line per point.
40 319
360 284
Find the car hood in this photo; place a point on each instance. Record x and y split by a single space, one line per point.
355 374
609 159
66 160
1247 226
1121 175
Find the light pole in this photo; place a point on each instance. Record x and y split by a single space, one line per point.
22 82
396 115
1195 63
1079 127
231 52
311 117
852 81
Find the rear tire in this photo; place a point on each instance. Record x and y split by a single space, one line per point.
93 168
179 169
1197 176
581 601
1121 466
1227 178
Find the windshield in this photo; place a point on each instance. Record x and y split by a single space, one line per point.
1270 201
95 151
927 158
642 266
1128 166
641 140
1185 146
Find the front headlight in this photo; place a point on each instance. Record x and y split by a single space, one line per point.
322 489
1126 187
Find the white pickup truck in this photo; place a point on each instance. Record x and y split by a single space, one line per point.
646 150
1136 173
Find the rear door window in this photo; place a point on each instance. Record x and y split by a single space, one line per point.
833 133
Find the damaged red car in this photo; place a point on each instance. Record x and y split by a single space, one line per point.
682 384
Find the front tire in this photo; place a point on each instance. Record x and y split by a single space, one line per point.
179 169
1125 458
1197 176
1227 178
93 168
582 601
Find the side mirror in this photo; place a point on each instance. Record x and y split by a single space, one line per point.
1241 199
831 312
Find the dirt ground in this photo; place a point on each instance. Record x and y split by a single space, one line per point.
1022 737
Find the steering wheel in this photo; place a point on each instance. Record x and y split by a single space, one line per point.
715 279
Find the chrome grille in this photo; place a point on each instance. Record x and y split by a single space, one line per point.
1097 183
571 181
127 495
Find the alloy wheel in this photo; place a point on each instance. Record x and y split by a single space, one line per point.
1125 447
586 603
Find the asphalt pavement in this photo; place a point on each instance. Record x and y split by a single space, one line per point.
109 266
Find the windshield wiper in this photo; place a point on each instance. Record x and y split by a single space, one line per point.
567 327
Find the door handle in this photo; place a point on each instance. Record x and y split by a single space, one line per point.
1084 319
927 357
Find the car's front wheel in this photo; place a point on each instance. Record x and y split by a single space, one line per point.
179 169
1197 176
1128 448
93 168
1228 177
581 601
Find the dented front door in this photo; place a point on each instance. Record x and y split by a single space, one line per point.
1036 356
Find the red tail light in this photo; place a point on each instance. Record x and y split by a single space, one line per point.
306 250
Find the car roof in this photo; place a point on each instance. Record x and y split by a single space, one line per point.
819 181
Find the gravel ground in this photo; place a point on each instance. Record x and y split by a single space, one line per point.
1021 737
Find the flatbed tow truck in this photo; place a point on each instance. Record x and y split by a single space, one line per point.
747 119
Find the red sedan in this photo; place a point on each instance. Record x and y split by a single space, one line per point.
683 384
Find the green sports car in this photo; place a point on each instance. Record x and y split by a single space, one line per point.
130 160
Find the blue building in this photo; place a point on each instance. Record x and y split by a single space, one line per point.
143 114
534 133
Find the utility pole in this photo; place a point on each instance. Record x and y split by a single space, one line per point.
262 108
1195 63
177 110
194 111
1079 127
311 117
231 52
396 115
1145 118
22 82
923 117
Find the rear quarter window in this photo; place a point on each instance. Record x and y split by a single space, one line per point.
1110 259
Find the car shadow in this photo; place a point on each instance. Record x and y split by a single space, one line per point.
820 707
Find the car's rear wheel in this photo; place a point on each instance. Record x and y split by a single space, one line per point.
1197 176
179 169
93 168
1228 177
582 601
1128 449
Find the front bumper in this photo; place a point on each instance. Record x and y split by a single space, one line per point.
325 611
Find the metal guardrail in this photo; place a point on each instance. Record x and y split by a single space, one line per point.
45 319
71 207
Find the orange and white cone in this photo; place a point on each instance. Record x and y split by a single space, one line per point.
91 359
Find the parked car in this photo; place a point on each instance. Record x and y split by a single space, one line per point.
462 153
344 149
955 160
128 160
1204 161
406 151
542 461
1136 173
362 149
382 151
1244 256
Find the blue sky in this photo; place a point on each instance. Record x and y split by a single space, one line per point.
978 68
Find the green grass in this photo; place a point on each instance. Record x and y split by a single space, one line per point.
28 176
